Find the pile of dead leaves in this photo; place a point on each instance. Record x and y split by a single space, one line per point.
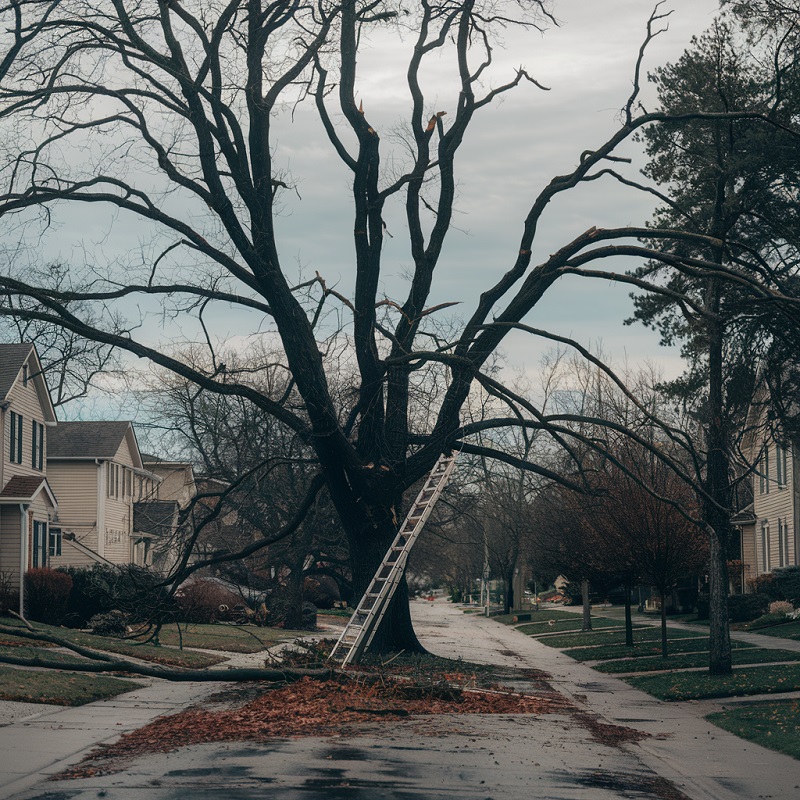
313 708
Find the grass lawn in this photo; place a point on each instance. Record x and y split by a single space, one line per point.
233 638
647 648
774 725
47 653
614 637
543 615
58 688
698 685
788 630
753 655
575 624
167 656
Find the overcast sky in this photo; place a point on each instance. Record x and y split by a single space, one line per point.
515 148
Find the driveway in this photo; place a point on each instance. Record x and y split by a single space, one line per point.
506 757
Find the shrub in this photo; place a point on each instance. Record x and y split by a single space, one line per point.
113 623
781 607
9 596
46 595
204 601
747 607
102 588
787 582
766 585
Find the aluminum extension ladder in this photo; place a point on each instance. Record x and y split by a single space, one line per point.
360 630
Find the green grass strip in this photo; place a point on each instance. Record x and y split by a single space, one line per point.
791 630
539 616
643 649
754 655
700 685
544 628
58 688
775 725
615 637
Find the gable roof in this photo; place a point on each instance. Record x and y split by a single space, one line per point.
24 488
90 440
12 359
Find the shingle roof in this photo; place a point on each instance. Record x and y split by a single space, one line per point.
155 517
22 487
12 357
85 439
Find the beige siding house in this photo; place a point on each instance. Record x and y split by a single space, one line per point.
97 469
28 506
770 526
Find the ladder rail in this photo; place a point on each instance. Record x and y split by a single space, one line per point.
366 619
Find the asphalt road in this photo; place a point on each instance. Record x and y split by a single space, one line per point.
505 757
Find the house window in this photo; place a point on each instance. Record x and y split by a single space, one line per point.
15 439
783 543
55 538
765 546
39 545
780 466
24 374
37 444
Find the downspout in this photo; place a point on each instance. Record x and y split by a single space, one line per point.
23 557
102 478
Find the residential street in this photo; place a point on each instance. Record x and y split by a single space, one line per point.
501 757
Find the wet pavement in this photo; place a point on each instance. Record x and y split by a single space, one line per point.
475 757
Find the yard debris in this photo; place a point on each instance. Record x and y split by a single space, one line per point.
312 708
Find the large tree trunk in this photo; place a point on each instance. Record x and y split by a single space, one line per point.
292 598
716 506
587 608
508 604
367 550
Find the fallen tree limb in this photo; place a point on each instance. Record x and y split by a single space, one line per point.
236 674
103 662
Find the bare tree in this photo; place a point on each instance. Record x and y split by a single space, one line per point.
169 117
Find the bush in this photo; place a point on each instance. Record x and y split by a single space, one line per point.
747 607
102 588
113 623
765 585
781 607
46 595
204 601
787 583
9 596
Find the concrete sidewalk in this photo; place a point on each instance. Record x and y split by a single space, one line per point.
34 748
702 760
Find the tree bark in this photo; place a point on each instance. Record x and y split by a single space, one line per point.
368 548
587 609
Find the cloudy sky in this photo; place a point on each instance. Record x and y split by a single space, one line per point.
513 150
516 148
